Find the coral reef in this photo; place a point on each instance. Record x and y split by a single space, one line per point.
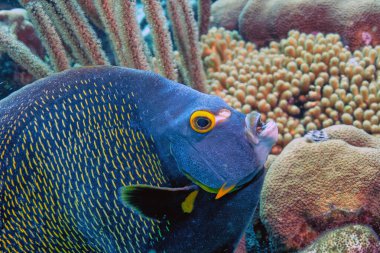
70 39
18 23
261 21
315 186
352 239
304 82
204 12
225 13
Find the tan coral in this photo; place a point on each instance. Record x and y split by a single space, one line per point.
304 82
312 187
352 239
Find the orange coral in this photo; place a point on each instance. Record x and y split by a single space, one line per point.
304 82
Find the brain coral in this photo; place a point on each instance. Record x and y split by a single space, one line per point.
348 239
315 186
304 82
261 21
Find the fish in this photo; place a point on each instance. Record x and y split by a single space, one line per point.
111 159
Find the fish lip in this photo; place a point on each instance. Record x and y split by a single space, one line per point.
270 130
253 123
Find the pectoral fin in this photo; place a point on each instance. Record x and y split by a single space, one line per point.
159 202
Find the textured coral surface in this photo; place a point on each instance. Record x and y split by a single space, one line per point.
261 21
304 82
19 24
351 239
312 187
225 13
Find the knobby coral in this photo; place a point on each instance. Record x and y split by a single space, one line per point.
351 238
70 39
315 186
304 82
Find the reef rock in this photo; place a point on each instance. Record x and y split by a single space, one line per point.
225 13
261 21
320 184
352 239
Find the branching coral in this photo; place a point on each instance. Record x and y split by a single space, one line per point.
187 41
66 21
51 40
204 12
162 43
22 54
17 24
17 21
304 82
315 186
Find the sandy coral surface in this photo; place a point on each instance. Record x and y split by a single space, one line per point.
312 187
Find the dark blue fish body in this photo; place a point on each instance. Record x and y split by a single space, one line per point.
69 142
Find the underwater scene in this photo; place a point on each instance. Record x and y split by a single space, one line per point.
245 126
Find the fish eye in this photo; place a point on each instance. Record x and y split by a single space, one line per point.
202 121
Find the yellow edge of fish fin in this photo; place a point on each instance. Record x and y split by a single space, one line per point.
188 204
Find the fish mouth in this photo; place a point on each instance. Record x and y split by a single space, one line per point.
256 129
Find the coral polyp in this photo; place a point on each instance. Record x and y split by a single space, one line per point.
304 82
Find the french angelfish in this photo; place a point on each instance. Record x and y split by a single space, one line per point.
110 159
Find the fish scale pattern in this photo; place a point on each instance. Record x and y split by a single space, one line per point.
64 155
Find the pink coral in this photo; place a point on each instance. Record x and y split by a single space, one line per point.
261 21
367 38
18 22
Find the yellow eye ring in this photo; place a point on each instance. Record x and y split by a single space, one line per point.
202 121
